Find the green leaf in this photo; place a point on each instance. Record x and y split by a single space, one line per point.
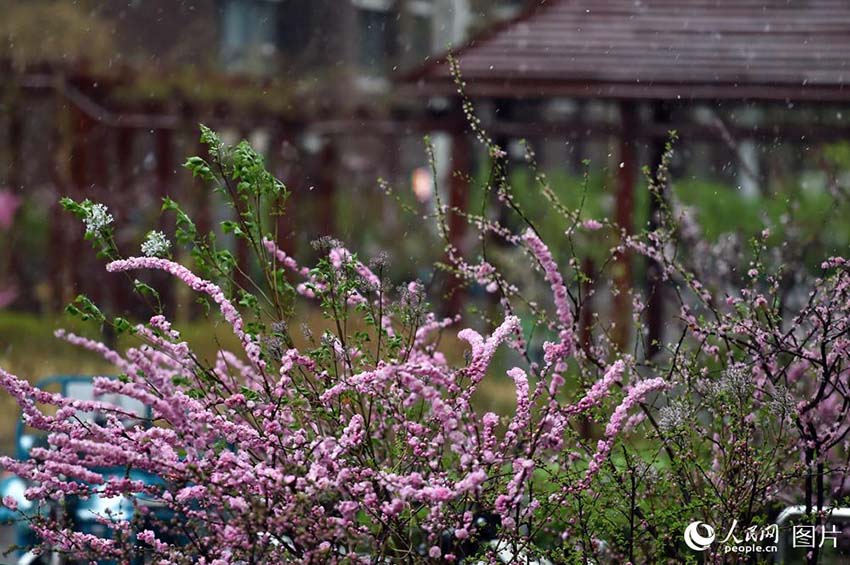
210 139
145 289
225 260
178 380
247 300
229 226
70 205
87 309
186 231
200 168
121 325
249 393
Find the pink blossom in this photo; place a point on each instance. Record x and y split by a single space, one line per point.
7 296
619 418
9 203
600 389
555 354
10 503
230 313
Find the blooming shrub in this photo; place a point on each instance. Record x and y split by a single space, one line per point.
364 440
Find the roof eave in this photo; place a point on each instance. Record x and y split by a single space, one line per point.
525 88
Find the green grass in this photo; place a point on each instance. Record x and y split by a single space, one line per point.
800 213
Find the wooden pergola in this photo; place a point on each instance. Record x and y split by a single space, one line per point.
99 126
657 55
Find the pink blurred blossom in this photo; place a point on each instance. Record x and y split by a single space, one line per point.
9 204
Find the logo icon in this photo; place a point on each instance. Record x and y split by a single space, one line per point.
695 539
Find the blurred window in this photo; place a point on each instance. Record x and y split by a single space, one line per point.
248 33
421 38
296 21
376 34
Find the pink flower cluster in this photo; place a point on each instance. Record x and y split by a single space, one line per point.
618 421
228 310
295 457
555 353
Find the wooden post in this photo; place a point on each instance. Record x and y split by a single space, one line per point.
283 162
626 178
164 161
461 167
326 187
99 190
654 284
81 129
576 154
58 232
163 148
16 277
198 200
16 134
123 193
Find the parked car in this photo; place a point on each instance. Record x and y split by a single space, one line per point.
80 514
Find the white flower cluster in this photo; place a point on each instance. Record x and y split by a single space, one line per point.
737 382
783 404
155 244
673 417
97 218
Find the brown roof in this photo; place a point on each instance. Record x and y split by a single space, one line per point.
663 49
